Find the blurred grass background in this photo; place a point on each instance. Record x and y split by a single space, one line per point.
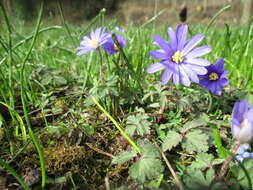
136 11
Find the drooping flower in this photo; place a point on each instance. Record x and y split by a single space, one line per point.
242 122
111 47
216 77
97 38
179 58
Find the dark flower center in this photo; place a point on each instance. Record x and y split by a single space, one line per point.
177 57
213 76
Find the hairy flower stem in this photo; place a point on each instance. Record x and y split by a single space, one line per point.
101 74
178 182
210 101
226 163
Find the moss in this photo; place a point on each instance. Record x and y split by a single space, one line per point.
60 160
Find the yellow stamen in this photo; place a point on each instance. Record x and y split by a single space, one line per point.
213 76
94 43
177 57
244 123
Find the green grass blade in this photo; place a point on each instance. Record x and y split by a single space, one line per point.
218 142
216 16
59 5
12 172
24 102
131 142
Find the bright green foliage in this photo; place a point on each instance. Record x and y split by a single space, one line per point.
172 139
149 165
109 88
195 141
201 121
47 76
124 157
158 95
138 123
146 169
197 179
241 175
205 160
201 175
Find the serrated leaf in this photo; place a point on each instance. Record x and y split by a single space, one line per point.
217 161
149 150
210 175
130 130
124 157
195 141
203 160
248 164
138 123
172 139
146 169
201 121
198 179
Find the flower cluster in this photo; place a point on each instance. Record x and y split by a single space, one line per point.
242 153
101 37
180 60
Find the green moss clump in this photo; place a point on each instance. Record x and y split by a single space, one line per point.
65 158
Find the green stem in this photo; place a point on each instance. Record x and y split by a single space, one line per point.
9 53
218 142
12 172
131 142
210 101
216 16
63 21
129 65
23 100
101 75
86 77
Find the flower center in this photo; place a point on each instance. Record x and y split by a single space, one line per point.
115 47
244 123
213 76
177 57
94 43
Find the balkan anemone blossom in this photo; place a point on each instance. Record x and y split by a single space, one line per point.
216 77
179 58
242 122
97 38
111 47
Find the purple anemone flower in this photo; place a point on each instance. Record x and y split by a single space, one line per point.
179 58
216 77
97 38
242 122
111 47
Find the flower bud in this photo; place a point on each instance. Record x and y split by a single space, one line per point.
242 122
